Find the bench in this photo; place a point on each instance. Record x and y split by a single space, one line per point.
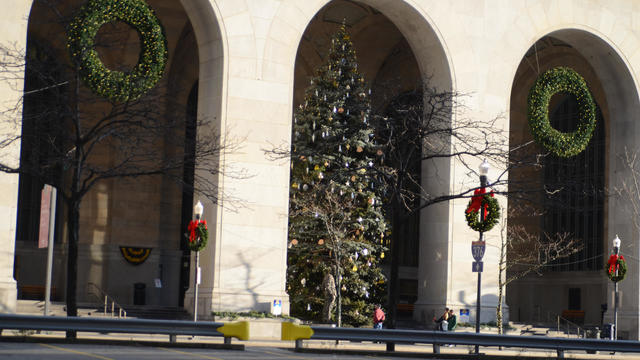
576 316
34 292
405 308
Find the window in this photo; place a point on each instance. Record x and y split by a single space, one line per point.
578 205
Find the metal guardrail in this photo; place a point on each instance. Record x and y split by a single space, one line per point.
299 333
239 330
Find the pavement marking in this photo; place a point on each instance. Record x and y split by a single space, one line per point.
283 355
76 352
189 353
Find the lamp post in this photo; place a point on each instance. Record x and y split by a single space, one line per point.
198 209
616 250
479 248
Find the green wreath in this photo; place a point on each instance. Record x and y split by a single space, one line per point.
622 268
492 214
554 81
198 235
116 85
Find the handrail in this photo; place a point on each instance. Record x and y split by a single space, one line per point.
121 312
581 332
299 333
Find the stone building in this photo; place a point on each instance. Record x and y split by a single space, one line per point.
246 64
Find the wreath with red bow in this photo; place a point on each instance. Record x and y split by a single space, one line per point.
616 262
491 207
198 234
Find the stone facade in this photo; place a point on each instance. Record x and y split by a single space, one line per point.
253 56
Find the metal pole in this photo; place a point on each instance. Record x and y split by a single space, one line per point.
52 226
615 302
196 278
483 184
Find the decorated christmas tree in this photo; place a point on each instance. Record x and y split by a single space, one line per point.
336 224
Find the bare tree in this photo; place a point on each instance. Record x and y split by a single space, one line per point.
65 132
423 128
523 252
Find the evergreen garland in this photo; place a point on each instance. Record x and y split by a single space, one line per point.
619 262
198 235
492 214
555 81
116 85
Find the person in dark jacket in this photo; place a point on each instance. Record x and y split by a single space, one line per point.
453 321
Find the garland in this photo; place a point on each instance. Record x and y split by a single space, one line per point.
491 210
555 81
198 234
116 85
135 255
616 263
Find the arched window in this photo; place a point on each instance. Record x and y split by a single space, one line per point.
575 191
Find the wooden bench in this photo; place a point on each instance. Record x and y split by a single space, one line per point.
576 316
34 292
406 308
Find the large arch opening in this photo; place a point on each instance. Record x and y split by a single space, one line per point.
582 207
143 213
396 49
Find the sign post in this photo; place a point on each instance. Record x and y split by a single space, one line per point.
45 238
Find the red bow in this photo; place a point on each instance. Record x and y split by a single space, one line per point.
476 201
613 263
193 225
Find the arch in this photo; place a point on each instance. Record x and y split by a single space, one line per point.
413 22
212 44
614 86
428 47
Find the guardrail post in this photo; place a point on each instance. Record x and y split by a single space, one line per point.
227 340
298 344
436 348
560 353
172 338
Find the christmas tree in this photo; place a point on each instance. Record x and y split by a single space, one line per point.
336 224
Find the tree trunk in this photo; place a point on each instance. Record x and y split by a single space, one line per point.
338 279
72 262
392 310
500 285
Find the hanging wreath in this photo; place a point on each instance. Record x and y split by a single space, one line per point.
116 85
616 262
135 255
198 234
491 211
561 80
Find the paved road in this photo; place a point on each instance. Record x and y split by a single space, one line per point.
37 351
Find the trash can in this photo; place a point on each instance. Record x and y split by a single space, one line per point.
607 332
139 290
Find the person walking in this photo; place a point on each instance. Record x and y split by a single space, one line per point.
378 317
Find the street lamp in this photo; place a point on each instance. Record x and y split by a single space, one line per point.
616 250
198 209
480 245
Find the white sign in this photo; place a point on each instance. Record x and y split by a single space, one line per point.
276 307
464 316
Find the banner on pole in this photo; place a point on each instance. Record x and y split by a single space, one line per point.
45 213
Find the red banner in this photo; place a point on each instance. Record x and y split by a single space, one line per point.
45 213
